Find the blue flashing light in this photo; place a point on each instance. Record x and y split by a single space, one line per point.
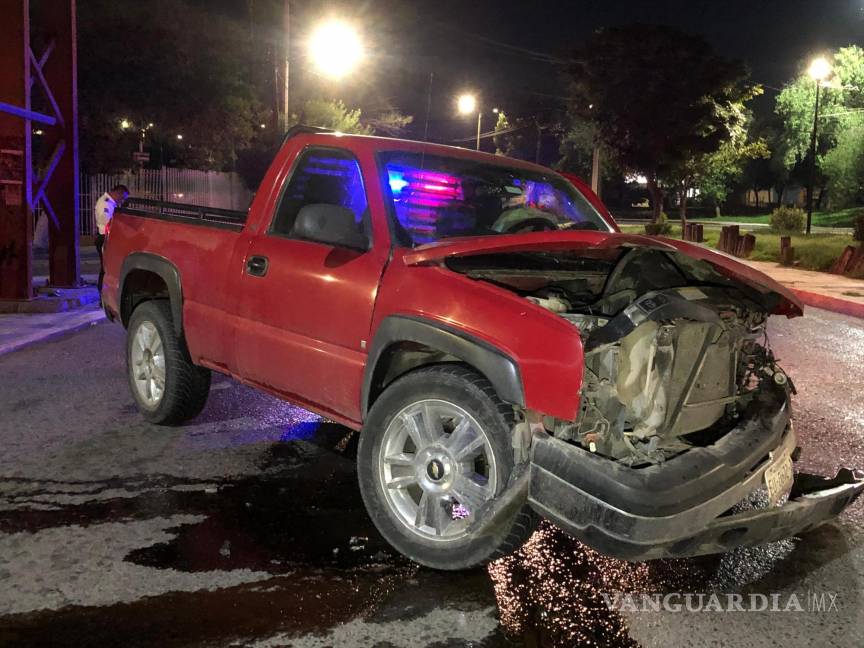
397 181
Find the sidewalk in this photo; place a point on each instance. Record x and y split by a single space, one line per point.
818 289
18 330
62 311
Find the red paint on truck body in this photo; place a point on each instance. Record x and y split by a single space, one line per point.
303 331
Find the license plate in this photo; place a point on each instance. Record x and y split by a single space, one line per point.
778 478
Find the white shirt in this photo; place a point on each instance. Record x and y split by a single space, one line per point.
104 211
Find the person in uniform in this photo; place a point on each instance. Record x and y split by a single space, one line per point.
103 212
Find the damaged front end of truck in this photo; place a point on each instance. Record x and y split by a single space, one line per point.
684 414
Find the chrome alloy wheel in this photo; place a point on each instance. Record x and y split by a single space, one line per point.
148 364
436 468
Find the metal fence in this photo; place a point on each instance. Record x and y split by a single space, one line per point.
210 188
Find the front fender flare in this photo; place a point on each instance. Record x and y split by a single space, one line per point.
499 368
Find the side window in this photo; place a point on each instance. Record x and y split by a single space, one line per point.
322 176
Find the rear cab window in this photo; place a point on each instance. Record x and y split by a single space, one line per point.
327 176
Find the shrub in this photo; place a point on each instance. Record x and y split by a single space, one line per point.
660 228
788 219
859 226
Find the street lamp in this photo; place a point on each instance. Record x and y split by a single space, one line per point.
143 136
819 70
335 48
467 104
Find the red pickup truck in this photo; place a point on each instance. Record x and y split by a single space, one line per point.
504 348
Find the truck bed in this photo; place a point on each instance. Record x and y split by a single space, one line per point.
185 213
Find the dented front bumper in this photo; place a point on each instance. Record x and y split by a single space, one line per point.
682 507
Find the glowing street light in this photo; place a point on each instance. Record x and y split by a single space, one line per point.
335 49
467 104
125 124
819 71
179 136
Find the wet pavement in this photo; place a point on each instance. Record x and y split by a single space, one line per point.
245 527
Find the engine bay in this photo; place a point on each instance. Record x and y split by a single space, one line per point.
673 350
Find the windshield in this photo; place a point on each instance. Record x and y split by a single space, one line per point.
434 198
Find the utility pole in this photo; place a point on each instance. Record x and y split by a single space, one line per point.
479 118
595 170
286 48
539 142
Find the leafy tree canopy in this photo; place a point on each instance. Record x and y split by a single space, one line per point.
844 164
515 138
658 97
176 65
333 115
844 91
840 146
714 173
323 113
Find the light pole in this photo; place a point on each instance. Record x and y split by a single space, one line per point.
819 70
141 138
467 104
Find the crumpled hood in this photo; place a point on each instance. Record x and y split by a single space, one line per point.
609 242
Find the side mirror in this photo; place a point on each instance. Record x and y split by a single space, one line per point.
330 224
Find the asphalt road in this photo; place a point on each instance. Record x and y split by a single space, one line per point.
245 527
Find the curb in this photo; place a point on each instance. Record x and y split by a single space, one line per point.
834 304
89 319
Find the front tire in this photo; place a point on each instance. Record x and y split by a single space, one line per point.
168 389
434 452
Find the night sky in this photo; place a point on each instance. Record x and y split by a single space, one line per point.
467 44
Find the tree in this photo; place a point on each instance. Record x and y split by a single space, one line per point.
391 123
658 98
769 172
577 147
841 99
714 173
185 68
332 115
323 113
516 138
844 164
723 168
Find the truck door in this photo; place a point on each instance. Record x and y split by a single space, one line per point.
305 308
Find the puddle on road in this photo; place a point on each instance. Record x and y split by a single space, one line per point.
311 517
301 519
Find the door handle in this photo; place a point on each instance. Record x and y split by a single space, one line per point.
257 266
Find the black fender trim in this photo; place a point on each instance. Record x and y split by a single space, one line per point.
499 368
162 267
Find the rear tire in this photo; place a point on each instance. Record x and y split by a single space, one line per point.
168 389
436 449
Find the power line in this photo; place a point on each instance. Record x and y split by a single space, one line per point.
491 133
844 112
543 57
